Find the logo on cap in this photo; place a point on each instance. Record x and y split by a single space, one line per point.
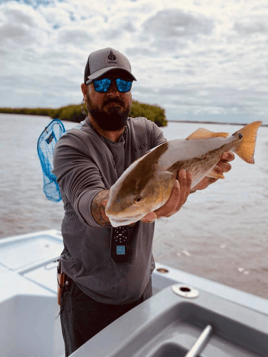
111 56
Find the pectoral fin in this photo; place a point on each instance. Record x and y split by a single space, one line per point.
202 133
215 175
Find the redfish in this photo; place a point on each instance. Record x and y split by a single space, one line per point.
147 183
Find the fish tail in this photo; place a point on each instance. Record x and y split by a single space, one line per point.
246 148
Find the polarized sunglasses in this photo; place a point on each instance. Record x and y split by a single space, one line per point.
103 85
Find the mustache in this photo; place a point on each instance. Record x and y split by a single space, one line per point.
114 101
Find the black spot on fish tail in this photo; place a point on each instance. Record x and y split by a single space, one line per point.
240 136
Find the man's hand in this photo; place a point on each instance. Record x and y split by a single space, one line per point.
177 198
181 191
222 166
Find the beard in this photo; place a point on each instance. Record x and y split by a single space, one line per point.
111 120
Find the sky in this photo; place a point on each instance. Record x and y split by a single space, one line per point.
197 59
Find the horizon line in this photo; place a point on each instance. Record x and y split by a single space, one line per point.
208 122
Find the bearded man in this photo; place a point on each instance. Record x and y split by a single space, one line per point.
100 282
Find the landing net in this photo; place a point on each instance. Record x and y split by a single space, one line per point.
45 148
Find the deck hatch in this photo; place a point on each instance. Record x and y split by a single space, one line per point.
19 254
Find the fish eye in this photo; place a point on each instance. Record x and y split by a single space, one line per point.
138 199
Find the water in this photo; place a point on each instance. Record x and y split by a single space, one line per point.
219 234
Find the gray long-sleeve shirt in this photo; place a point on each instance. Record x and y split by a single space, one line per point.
86 163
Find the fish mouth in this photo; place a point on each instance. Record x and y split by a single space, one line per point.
124 221
113 214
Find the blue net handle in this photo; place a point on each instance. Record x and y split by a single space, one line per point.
45 148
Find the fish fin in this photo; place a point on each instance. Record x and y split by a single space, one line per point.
215 175
166 176
248 142
202 133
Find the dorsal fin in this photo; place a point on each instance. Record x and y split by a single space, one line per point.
202 133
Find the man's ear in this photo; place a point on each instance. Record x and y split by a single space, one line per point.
84 89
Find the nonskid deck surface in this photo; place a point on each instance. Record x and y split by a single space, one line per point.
187 316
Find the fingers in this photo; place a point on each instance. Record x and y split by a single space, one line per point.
205 183
175 196
149 218
228 156
185 180
178 196
223 165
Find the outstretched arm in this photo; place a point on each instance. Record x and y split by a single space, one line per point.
98 208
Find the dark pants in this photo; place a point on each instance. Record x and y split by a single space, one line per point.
83 317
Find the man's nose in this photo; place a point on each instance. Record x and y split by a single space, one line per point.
113 91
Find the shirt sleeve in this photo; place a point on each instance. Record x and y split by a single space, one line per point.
78 176
156 135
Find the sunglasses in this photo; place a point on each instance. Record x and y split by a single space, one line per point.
103 85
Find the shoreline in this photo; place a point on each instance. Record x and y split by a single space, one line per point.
169 121
209 122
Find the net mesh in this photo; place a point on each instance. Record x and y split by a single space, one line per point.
45 148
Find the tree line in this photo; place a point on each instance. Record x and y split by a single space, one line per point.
77 113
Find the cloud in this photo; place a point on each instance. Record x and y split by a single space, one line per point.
197 57
176 24
21 25
56 16
74 35
251 26
118 28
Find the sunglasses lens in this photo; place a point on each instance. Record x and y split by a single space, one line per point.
102 85
123 86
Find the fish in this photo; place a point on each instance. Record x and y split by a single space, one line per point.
147 183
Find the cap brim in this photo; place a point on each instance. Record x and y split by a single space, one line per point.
103 71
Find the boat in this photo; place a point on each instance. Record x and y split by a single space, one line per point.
187 315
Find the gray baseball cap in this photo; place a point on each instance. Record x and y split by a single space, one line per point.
106 60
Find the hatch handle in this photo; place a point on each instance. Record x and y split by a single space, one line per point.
200 343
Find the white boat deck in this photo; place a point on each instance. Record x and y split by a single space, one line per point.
28 302
29 309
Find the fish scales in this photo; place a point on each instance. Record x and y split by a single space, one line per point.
147 184
197 163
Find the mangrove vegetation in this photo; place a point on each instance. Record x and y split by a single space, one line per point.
77 113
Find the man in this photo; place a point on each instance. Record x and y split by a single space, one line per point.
99 287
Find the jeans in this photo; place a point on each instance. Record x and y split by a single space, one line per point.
82 317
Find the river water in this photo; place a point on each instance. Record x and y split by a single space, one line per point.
219 234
